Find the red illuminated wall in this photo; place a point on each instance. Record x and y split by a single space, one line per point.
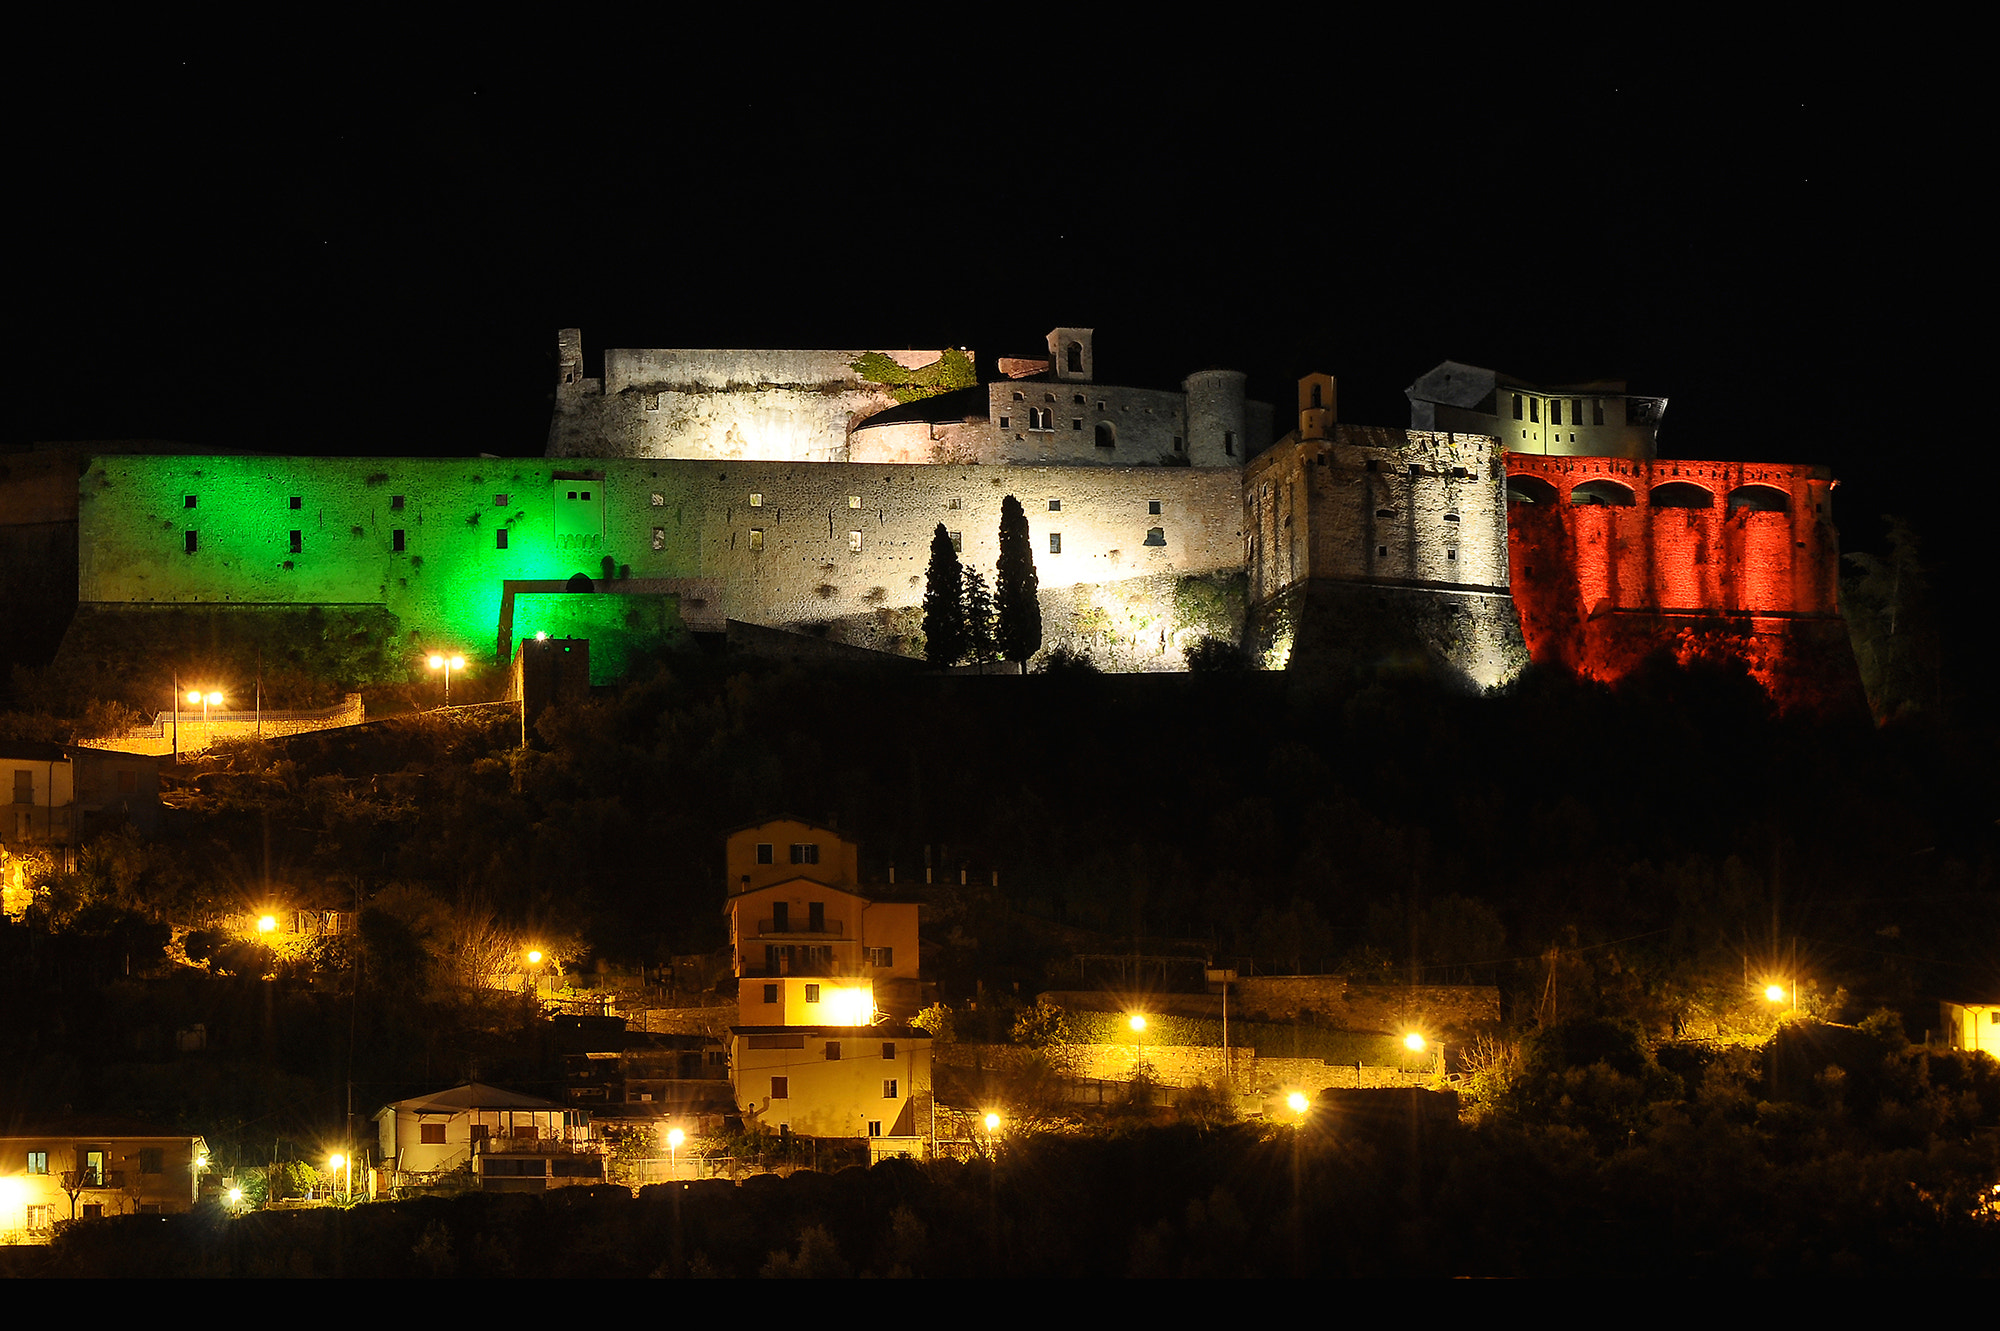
1707 558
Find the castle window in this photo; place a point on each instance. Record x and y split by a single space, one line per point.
500 539
396 540
1461 473
1041 418
1451 517
756 501
572 494
295 501
1078 399
1517 406
586 494
192 541
1048 397
1385 512
1017 397
1100 406
1055 505
1180 444
1415 470
1535 409
1451 552
854 501
1076 424
1317 403
957 542
756 539
298 542
659 500
1107 437
951 504
1055 542
854 542
1381 551
499 501
1153 506
1555 411
1005 423
1076 358
395 503
1597 411
1229 442
1156 536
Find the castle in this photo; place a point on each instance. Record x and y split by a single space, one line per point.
798 491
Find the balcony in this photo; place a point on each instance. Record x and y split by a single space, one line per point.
802 929
93 1178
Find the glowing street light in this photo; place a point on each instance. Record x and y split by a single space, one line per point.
1775 992
236 1196
1298 1103
1138 1024
992 1122
674 1139
1414 1042
266 923
336 1163
447 664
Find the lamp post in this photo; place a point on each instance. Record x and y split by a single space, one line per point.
1138 1024
674 1139
337 1162
206 700
447 664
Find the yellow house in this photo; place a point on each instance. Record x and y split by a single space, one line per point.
1973 1026
826 984
508 1141
74 1169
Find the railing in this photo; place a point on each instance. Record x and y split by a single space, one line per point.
93 1178
826 928
575 1141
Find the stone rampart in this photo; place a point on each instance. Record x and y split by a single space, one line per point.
194 732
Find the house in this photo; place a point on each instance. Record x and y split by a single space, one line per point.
827 983
91 1166
509 1142
52 796
627 1077
1972 1026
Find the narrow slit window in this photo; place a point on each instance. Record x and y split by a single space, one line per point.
1055 542
298 542
396 540
500 539
854 542
193 542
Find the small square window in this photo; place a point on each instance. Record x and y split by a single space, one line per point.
951 504
586 494
1153 507
500 539
854 542
888 1049
1055 542
572 494
298 542
770 993
1005 423
1381 550
812 993
781 1088
430 1134
295 501
833 1051
1076 423
888 1088
756 539
396 502
756 501
1055 505
188 502
1451 554
764 852
854 501
396 540
499 501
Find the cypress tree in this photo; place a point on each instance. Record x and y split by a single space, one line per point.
944 609
978 617
1016 588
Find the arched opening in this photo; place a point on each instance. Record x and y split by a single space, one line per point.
1681 494
1106 437
1530 490
1318 397
1075 355
1156 536
580 583
1759 499
1602 492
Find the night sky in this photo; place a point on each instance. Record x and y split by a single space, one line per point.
361 252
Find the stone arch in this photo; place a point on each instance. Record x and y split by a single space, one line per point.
580 583
1609 493
1522 489
1074 354
1759 499
1681 494
1107 435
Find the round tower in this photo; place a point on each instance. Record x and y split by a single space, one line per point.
1215 433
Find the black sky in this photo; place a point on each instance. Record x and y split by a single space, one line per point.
352 251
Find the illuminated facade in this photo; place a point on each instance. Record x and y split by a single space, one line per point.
826 984
1565 420
90 1167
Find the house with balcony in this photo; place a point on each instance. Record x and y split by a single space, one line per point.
827 982
54 795
507 1141
86 1167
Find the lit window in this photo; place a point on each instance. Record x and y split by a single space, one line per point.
888 1088
854 501
812 993
756 539
854 542
756 501
38 1162
763 852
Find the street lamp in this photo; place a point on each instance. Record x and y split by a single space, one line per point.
992 1122
674 1139
336 1163
1298 1103
266 923
1138 1024
212 698
447 664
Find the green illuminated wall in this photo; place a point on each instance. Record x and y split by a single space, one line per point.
621 628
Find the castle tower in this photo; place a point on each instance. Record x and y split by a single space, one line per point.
569 357
1319 400
1215 418
1069 352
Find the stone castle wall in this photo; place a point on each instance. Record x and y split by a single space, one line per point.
835 548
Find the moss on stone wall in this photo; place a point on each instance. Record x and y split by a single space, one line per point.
950 371
1212 604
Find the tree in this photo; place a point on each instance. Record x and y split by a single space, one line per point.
978 602
944 609
1016 587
